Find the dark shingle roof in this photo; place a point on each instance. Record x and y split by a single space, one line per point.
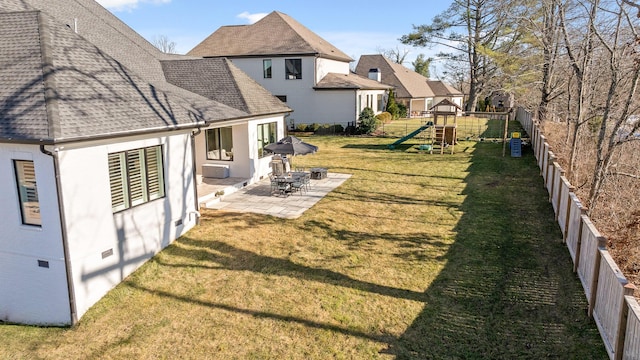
220 80
275 34
22 101
408 83
57 85
349 81
69 89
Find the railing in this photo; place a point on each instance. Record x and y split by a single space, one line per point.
609 294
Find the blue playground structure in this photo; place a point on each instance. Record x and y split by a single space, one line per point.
409 136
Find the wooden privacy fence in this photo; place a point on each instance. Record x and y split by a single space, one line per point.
609 294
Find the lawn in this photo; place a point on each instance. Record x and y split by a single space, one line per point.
416 256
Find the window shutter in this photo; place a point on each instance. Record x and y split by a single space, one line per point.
119 196
28 192
137 177
155 177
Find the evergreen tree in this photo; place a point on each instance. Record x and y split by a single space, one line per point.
392 106
421 65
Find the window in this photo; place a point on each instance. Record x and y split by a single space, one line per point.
220 144
266 135
266 68
28 192
136 177
380 102
282 98
293 69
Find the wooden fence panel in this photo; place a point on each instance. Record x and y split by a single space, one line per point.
574 229
632 335
550 173
535 139
541 152
545 162
609 309
589 263
563 212
557 189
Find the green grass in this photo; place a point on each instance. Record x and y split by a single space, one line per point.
416 256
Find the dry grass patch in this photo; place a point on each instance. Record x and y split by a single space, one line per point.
415 256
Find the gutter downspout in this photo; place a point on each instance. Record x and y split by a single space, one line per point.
63 231
195 175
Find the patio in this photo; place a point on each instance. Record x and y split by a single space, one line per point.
257 197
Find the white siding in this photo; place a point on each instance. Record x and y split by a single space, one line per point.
309 105
30 293
342 108
246 163
133 235
325 66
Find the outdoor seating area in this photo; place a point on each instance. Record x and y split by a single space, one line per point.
290 183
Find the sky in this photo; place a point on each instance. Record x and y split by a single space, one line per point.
355 27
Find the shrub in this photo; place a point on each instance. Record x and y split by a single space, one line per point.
384 117
323 129
402 110
313 127
337 129
301 127
367 121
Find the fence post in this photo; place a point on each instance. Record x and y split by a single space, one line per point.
629 288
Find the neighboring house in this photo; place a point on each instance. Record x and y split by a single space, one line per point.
303 70
415 91
98 152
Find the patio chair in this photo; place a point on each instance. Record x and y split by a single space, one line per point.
274 184
298 186
306 181
282 186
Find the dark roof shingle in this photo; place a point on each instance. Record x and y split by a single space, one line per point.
275 34
105 80
220 80
408 83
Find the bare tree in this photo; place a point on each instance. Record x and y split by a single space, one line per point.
163 44
619 37
474 31
549 39
396 55
579 49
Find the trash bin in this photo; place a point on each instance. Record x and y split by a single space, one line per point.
516 145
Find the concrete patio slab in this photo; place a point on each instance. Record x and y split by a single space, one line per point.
257 198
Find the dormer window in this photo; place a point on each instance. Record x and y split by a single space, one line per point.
293 69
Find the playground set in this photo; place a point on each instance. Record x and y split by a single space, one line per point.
439 133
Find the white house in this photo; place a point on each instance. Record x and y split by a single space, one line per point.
300 68
99 152
415 91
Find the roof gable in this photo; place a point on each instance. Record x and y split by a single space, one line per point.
220 80
408 83
275 34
